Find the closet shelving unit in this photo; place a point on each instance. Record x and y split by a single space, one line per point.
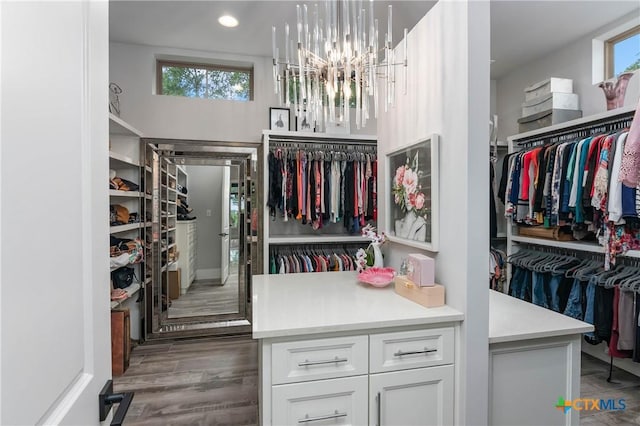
185 238
168 217
592 124
127 158
296 234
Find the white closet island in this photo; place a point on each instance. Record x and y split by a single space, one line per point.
534 358
334 349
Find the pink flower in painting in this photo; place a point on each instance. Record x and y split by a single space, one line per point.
399 175
420 199
410 181
410 201
396 199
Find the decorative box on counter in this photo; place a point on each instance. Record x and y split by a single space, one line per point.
429 297
421 270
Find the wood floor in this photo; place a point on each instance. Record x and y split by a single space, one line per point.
594 385
208 382
207 297
214 382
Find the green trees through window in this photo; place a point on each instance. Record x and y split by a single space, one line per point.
204 81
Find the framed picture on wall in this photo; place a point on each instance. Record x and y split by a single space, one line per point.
303 124
279 119
412 194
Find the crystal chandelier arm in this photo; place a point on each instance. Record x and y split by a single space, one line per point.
275 60
286 42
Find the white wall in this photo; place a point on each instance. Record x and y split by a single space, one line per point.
448 94
572 61
205 193
132 67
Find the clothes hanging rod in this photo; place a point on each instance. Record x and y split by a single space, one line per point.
582 129
321 141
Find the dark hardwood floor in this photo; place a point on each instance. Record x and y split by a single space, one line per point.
207 297
212 382
594 385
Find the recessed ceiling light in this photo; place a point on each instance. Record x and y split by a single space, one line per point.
228 21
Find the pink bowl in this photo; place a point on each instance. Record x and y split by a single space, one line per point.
377 277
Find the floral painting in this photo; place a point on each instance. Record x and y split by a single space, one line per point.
411 193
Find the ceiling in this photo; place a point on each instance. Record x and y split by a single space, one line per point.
521 30
194 24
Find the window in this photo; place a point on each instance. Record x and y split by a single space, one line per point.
204 81
622 53
296 83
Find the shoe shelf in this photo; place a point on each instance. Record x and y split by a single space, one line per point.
124 228
124 194
118 160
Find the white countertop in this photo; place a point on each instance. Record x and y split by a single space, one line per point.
512 319
298 304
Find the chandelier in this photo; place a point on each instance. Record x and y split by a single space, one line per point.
334 64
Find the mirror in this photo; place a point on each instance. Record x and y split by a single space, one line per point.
203 255
212 208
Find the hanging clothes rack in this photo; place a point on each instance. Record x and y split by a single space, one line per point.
577 131
322 141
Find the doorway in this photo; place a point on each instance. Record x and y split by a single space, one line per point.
205 291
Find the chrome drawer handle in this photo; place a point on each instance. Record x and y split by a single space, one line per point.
426 351
329 361
335 415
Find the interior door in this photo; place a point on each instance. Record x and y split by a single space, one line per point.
54 301
224 235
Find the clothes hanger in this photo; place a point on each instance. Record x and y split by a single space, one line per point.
585 273
560 262
618 278
571 272
628 280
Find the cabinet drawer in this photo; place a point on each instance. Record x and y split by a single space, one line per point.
411 349
319 359
335 402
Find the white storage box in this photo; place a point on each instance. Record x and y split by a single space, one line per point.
551 101
545 87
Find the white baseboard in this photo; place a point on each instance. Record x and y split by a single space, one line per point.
208 274
598 351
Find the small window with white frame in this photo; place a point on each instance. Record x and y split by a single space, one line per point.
622 53
209 81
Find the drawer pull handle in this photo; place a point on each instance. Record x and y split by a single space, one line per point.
335 415
425 351
378 408
329 361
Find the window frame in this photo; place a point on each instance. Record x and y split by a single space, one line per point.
160 63
609 49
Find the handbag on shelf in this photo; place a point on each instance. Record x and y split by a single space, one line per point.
123 277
